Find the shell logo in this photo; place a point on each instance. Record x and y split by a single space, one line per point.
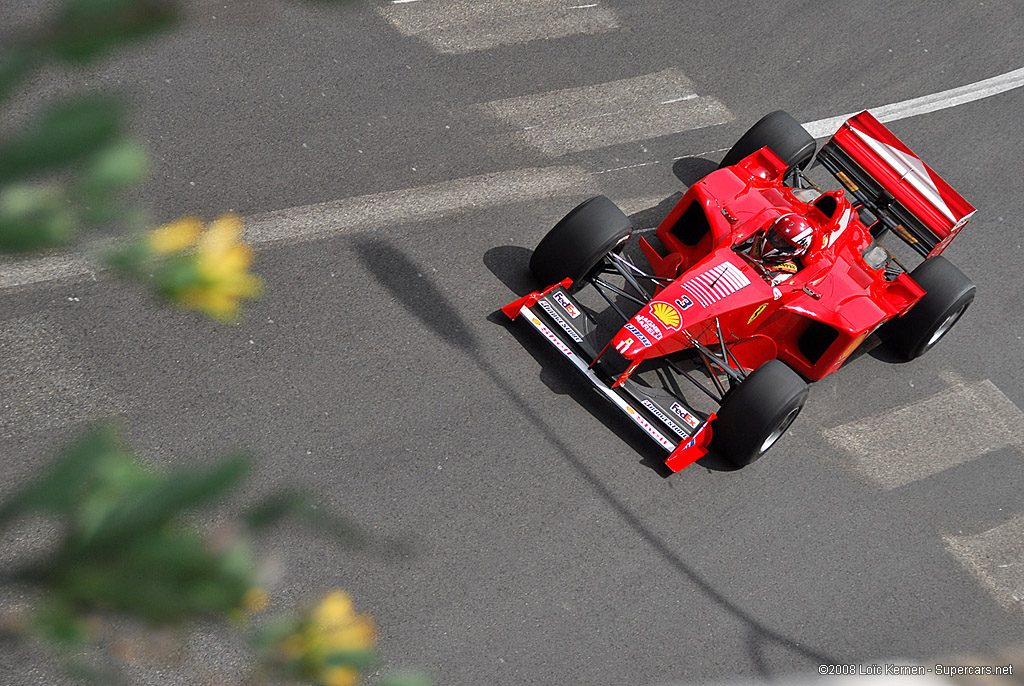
666 314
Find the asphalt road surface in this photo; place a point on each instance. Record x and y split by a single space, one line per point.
396 163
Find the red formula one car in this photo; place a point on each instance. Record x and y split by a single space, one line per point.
762 281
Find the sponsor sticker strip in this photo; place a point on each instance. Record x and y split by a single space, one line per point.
639 336
561 322
549 334
651 431
661 415
581 364
648 326
685 415
563 300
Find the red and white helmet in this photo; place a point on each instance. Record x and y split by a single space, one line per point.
787 237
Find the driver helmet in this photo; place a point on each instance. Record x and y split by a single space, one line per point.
787 237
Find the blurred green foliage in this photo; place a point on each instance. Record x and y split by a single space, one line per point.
86 29
61 135
129 544
126 546
66 167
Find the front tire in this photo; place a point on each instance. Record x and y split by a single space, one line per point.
579 241
756 413
948 295
780 132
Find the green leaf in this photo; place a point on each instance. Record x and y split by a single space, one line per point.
277 507
87 29
65 133
358 659
57 621
34 217
60 488
15 66
152 507
177 274
114 168
406 679
165 578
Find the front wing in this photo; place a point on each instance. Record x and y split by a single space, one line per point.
664 417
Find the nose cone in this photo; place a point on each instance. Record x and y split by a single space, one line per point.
654 323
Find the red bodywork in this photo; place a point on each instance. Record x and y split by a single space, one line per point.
813 320
933 208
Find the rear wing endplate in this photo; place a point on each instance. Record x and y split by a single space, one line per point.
906 195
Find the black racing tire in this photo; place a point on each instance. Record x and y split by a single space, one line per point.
948 295
755 414
780 132
579 241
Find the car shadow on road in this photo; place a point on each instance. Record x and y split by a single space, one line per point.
560 379
690 170
511 265
416 292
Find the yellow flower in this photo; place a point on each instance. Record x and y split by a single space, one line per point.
357 635
337 628
334 609
222 263
329 643
340 676
174 237
255 600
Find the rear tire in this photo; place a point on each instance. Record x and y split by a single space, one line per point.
949 293
757 412
780 132
579 241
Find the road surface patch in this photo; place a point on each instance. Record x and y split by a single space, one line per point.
464 26
900 446
605 114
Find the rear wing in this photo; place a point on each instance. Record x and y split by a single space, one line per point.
893 183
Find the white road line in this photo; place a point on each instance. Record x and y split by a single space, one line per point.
462 26
823 128
350 215
996 559
506 187
955 426
634 205
366 212
604 114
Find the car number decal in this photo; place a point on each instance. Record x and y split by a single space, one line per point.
684 302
